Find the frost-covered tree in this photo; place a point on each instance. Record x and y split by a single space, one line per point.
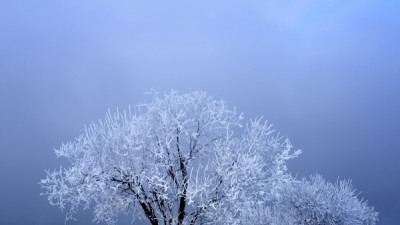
314 201
187 159
179 159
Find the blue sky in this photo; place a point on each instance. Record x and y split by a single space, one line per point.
326 73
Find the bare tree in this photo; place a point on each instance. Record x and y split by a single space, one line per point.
177 160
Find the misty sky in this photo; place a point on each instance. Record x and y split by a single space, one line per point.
326 73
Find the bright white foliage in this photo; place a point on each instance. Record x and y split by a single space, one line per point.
180 159
315 201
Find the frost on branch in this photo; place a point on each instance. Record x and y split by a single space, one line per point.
315 201
177 160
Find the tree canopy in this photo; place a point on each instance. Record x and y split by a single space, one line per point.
185 159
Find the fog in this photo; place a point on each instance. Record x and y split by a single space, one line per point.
325 73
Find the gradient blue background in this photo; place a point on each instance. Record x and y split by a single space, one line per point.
326 73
